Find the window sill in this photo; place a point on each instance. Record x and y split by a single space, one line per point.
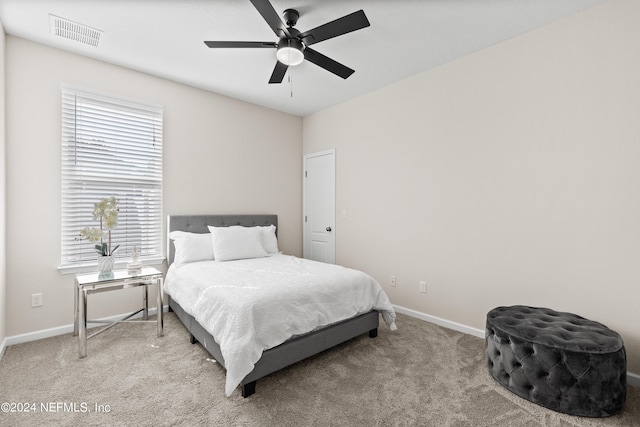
93 266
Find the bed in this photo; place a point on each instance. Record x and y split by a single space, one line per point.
186 287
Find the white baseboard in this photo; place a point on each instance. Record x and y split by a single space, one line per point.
3 345
61 330
440 322
632 379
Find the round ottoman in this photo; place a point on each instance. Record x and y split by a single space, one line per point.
557 360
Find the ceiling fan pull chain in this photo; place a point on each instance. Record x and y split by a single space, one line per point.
291 81
290 71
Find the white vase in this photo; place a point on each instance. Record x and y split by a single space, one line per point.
105 264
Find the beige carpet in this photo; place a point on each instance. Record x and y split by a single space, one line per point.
420 374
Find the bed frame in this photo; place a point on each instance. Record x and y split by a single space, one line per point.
287 353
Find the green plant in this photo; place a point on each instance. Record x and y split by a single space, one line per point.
106 211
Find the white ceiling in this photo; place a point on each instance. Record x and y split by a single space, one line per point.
165 38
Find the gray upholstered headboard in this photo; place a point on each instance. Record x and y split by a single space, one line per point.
199 223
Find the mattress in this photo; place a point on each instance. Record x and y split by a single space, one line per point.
251 305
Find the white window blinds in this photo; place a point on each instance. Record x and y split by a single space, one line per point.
110 147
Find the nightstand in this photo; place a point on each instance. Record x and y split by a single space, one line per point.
86 284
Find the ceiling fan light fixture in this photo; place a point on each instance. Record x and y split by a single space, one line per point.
290 52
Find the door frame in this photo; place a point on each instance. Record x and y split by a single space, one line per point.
305 233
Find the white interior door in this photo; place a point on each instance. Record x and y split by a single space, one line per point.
319 206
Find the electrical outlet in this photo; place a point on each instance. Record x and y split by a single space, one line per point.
36 300
423 287
392 281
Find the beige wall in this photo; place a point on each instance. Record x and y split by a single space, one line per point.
3 275
220 156
510 176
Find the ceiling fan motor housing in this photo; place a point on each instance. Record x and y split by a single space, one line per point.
291 42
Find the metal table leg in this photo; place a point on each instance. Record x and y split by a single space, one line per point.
145 301
75 307
160 314
82 320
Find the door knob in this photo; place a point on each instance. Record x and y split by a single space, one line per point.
328 228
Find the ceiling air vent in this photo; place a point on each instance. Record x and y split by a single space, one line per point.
73 31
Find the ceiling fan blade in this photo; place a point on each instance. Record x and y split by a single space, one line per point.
271 16
240 44
278 72
346 24
327 63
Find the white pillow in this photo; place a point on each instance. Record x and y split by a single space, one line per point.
269 239
191 247
237 242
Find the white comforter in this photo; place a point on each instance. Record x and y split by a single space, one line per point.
252 305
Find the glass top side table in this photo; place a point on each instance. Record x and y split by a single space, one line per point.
86 284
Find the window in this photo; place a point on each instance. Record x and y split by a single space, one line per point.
110 147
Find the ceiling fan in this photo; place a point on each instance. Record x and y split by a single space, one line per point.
293 46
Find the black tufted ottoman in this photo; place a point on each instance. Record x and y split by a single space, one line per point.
558 360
